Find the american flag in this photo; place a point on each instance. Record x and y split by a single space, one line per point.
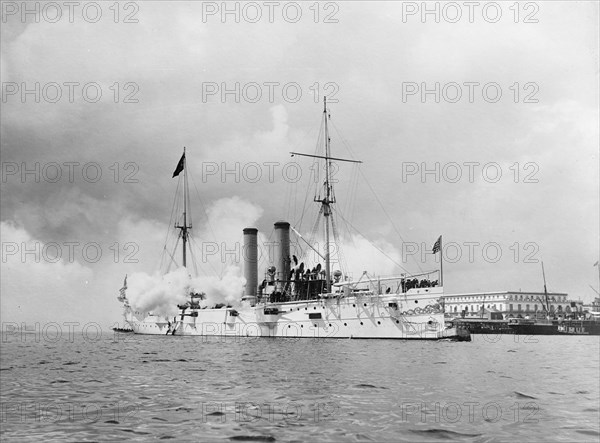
437 245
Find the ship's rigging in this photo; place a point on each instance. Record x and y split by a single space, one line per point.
330 218
329 215
328 198
181 219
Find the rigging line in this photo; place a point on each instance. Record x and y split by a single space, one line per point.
316 171
171 222
295 201
171 255
264 258
203 206
305 136
315 229
195 264
162 259
338 211
351 238
337 239
291 197
347 145
373 244
344 141
355 172
389 217
193 241
342 255
353 191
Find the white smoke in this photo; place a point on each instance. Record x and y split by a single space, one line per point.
222 231
156 293
353 256
225 290
161 294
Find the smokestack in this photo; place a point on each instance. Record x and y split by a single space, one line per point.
282 250
250 265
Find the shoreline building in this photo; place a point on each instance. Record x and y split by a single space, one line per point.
509 304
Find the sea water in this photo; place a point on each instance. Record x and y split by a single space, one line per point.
111 387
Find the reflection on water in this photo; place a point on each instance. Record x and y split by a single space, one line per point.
196 389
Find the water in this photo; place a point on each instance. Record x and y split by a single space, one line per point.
141 388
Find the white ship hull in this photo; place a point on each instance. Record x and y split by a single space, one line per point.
308 302
415 315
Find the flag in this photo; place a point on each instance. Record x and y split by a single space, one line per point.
437 245
179 167
122 296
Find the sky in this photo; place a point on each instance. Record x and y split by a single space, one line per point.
478 125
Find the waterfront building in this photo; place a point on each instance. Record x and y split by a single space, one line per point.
510 304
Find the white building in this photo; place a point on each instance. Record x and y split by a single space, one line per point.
511 304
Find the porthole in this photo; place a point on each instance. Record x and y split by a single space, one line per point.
289 326
345 324
301 326
378 322
361 323
416 301
315 325
364 304
397 321
330 325
354 306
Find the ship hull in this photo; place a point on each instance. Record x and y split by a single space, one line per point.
416 316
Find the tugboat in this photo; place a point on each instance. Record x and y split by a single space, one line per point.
298 301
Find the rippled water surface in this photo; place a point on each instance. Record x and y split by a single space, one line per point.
140 388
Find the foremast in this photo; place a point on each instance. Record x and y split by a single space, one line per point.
184 228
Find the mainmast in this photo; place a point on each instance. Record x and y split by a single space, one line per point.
327 200
329 197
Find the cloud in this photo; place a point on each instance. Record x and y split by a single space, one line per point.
40 283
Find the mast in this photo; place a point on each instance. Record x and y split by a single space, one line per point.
441 263
545 291
327 200
329 197
184 232
185 227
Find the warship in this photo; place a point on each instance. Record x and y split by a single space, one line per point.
295 301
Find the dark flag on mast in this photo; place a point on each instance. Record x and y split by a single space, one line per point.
437 245
179 167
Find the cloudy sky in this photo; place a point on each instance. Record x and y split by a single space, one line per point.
503 101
